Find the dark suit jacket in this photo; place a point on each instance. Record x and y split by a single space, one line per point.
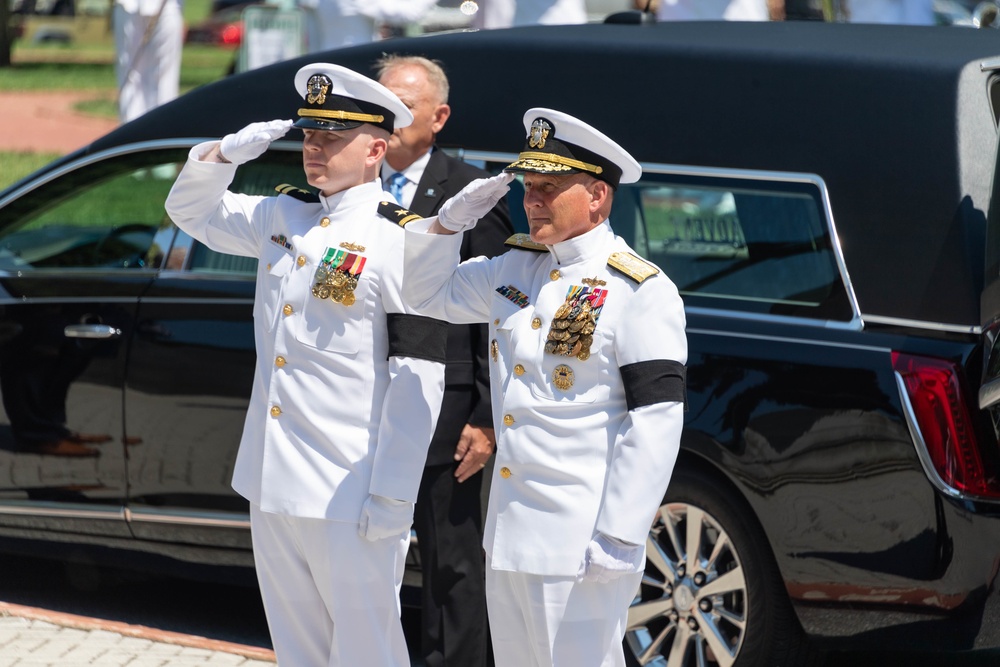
467 372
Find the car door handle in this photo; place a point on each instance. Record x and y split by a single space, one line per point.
93 331
989 394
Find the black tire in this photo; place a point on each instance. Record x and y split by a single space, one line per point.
730 609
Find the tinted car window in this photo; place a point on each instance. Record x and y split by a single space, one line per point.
761 248
257 177
103 217
747 245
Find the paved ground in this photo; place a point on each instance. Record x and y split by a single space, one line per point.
31 637
46 122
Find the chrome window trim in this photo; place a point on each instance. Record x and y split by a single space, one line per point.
126 149
56 510
188 518
920 445
853 325
924 324
789 340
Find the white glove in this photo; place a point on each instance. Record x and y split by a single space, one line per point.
252 140
383 517
472 202
608 558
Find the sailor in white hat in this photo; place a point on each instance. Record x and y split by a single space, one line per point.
348 381
587 349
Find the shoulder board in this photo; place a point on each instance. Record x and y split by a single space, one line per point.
298 193
633 266
524 242
396 213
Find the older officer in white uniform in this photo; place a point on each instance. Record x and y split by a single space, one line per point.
348 381
588 351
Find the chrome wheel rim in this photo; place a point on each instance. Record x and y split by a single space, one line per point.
691 608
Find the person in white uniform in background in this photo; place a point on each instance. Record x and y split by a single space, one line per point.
587 348
348 382
491 14
707 10
904 12
331 24
149 35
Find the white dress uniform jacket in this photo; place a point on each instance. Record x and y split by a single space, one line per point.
332 417
575 460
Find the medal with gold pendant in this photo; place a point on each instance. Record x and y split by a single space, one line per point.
571 332
337 276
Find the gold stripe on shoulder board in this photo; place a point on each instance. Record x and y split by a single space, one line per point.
298 193
524 242
633 266
396 213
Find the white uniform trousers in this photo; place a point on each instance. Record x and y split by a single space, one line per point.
331 596
149 65
546 621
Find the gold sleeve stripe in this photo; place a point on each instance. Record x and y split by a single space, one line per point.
409 218
340 115
558 159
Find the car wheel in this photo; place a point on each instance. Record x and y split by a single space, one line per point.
711 593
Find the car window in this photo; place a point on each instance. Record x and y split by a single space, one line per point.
758 247
738 244
258 177
106 215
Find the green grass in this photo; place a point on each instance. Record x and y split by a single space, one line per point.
90 67
15 166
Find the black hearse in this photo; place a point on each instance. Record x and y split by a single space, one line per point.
821 194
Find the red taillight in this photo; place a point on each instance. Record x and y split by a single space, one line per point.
232 34
944 421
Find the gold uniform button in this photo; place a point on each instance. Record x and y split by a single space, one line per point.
301 260
519 370
505 472
288 310
275 411
554 274
536 323
279 362
325 222
508 420
496 322
268 266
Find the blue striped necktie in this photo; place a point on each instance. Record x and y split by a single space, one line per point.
396 183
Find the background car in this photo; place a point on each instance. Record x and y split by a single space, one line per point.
822 195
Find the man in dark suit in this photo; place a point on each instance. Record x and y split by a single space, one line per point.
448 515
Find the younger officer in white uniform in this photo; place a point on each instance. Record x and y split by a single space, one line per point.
348 382
588 351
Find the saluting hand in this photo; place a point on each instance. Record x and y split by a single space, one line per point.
472 202
252 140
475 446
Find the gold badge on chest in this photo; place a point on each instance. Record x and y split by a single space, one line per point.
337 276
571 332
562 377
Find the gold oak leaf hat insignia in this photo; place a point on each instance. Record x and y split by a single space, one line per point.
336 98
558 143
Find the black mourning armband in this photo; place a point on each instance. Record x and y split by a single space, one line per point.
417 337
654 381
